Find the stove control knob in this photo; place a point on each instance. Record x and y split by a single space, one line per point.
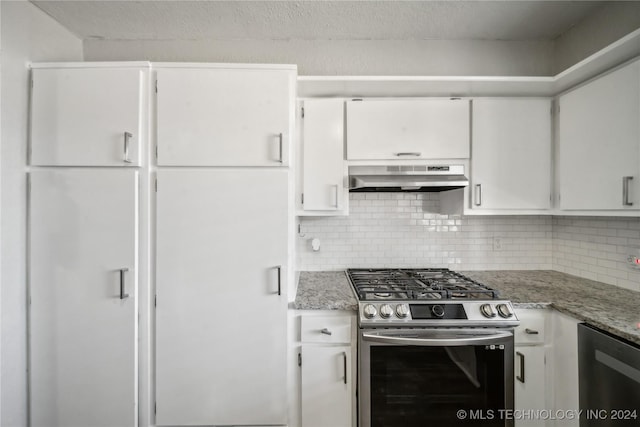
487 310
385 311
504 310
438 311
369 311
402 310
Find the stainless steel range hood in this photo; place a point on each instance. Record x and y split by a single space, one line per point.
398 178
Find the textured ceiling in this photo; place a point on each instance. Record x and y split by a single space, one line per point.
312 20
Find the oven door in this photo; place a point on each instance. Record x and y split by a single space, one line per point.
435 377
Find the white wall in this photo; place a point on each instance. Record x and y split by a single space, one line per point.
604 26
607 24
345 57
406 230
27 35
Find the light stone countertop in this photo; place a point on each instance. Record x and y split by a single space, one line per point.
607 307
610 308
324 290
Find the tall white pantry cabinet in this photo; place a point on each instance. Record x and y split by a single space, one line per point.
222 246
159 266
84 243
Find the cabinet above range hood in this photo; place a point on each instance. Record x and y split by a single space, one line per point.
399 178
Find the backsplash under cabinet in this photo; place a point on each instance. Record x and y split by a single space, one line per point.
407 230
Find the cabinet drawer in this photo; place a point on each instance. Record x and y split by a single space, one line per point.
532 327
325 329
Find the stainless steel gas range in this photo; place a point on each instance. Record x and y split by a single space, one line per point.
434 348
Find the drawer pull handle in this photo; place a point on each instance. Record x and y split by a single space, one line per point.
531 331
325 331
412 154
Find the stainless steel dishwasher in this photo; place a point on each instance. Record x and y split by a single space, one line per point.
609 376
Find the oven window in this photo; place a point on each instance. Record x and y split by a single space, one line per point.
424 386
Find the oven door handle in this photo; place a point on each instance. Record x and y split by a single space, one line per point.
436 341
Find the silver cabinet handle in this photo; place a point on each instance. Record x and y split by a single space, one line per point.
336 205
325 331
531 331
279 270
280 138
625 191
122 294
478 195
127 138
521 376
344 354
412 154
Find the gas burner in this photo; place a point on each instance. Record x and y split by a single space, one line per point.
427 295
382 294
416 284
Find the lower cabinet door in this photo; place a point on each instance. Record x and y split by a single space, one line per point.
221 286
529 389
326 386
82 288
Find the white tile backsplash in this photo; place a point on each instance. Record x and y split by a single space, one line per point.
406 230
597 248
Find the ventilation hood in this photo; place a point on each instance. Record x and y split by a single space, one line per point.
399 178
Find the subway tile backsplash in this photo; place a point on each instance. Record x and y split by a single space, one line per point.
597 248
406 230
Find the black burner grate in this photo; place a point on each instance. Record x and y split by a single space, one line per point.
416 284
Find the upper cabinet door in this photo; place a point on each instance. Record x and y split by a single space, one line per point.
224 117
408 129
323 153
87 116
511 154
599 143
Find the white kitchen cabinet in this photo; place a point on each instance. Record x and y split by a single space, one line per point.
400 129
530 368
83 269
213 116
323 168
327 374
221 282
326 389
599 143
88 116
565 366
511 154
